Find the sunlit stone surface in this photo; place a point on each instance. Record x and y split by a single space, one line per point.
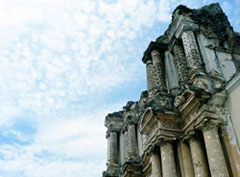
186 123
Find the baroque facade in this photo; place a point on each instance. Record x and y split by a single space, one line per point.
187 122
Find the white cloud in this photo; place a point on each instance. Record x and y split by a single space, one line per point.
67 147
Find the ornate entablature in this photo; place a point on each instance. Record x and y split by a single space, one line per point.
181 125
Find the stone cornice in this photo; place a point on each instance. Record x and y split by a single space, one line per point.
185 25
115 118
233 83
161 47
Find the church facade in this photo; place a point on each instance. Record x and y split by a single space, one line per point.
187 123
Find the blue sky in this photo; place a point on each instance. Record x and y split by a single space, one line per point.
63 66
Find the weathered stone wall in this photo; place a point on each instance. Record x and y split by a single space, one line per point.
187 122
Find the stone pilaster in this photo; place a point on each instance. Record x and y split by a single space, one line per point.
168 162
156 165
192 53
185 159
150 79
112 148
171 73
198 158
132 141
158 71
231 147
214 150
181 63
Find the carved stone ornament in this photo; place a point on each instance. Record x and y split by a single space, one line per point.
184 123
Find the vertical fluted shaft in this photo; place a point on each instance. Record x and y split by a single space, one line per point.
132 141
168 162
185 160
215 154
156 165
192 53
198 158
112 147
126 145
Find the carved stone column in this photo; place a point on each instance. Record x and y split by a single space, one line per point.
158 71
132 141
214 150
181 63
112 148
168 162
125 136
156 165
192 54
198 158
232 148
150 79
185 160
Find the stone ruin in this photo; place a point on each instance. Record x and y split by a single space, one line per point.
185 124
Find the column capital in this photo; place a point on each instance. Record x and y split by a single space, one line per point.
155 52
207 123
189 135
156 57
153 46
161 139
151 149
148 60
210 125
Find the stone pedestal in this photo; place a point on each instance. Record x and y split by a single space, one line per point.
198 158
185 160
191 51
156 166
168 162
214 150
132 141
